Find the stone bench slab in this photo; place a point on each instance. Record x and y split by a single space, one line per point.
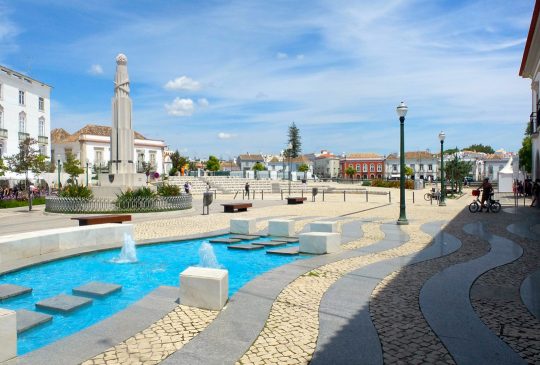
10 291
270 243
286 239
27 320
245 237
63 303
225 240
245 247
288 251
96 289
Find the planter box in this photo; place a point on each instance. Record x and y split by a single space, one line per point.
244 225
323 227
281 227
319 243
8 334
204 287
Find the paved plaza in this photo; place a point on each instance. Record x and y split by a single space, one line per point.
450 287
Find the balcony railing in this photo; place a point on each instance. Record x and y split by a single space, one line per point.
43 140
3 133
23 136
533 123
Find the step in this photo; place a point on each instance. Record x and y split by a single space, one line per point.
270 243
27 320
287 251
225 240
63 303
286 239
245 237
246 247
96 289
10 291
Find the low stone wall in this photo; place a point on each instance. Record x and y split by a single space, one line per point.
31 244
110 205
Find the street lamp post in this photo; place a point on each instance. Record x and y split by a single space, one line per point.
402 112
289 151
59 167
442 199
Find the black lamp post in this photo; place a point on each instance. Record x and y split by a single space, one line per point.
59 166
442 199
402 112
289 151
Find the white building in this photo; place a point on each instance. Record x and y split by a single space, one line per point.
92 144
425 165
530 69
326 166
25 111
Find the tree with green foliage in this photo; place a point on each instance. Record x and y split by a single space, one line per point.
525 152
451 151
259 166
455 171
73 168
304 168
295 141
408 171
3 168
480 148
213 164
350 171
178 161
28 159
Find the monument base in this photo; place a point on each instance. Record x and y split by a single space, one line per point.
112 184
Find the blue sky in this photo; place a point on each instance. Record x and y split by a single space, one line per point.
228 77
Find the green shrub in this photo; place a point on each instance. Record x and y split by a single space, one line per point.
139 198
76 191
168 190
366 183
409 184
173 171
21 203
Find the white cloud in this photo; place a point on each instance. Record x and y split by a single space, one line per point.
300 57
183 83
96 70
282 56
180 107
203 102
223 135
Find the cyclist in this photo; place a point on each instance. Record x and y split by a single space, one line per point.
487 190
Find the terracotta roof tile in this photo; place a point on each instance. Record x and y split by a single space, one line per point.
92 129
250 157
362 155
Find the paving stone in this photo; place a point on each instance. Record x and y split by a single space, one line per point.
246 247
245 237
288 251
96 289
270 243
225 240
29 319
10 291
63 303
286 239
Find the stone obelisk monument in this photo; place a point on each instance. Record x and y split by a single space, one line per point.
122 149
122 172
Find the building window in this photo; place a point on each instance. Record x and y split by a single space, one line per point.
365 169
379 168
372 168
430 167
1 149
1 91
421 167
394 167
412 166
41 126
364 177
358 167
41 103
43 150
21 97
1 117
22 122
98 156
153 159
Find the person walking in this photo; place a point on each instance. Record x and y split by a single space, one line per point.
246 188
535 192
487 189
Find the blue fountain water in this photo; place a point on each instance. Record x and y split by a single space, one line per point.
157 265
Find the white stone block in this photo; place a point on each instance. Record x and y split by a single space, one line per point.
319 242
8 334
243 225
323 227
204 287
281 227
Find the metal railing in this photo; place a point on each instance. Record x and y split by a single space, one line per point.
23 136
43 140
533 123
115 205
3 133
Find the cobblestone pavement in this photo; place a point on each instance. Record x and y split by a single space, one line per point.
157 342
291 331
501 308
404 333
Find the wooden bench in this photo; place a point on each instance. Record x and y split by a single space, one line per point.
236 207
101 219
296 200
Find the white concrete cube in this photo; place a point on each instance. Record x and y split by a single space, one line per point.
204 288
281 227
243 225
8 334
319 242
323 226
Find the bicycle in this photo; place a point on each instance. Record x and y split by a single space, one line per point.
433 195
492 205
